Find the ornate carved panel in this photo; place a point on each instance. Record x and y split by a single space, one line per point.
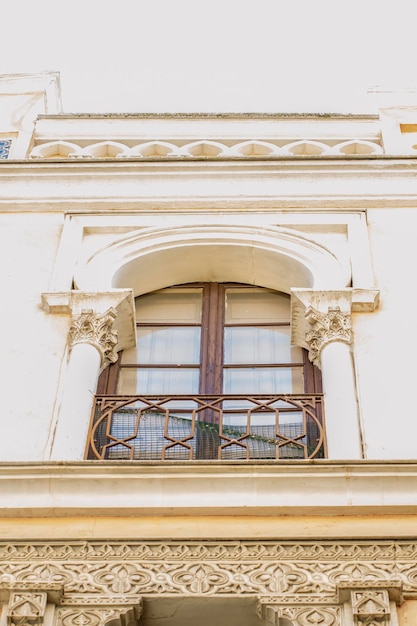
326 327
303 615
96 329
97 615
26 607
288 572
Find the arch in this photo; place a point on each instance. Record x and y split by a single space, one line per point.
356 146
56 150
203 148
152 258
154 149
307 148
255 148
105 149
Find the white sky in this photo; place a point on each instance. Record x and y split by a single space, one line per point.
213 55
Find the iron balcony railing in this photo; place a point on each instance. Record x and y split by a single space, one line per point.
193 427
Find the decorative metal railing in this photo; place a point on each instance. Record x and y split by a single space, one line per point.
195 427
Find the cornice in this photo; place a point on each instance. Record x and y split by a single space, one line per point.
103 488
378 161
243 161
347 184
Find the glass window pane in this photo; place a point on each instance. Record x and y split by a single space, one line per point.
256 305
263 380
158 381
170 305
179 345
253 344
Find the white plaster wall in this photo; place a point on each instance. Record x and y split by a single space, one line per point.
33 343
386 341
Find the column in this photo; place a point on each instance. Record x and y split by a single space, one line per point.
91 344
329 342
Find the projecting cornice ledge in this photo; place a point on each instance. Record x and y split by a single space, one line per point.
95 488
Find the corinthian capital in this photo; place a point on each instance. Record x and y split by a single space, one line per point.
96 329
326 327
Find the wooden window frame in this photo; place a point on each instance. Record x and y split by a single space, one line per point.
211 354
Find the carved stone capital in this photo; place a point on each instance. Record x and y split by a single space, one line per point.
96 330
300 615
126 614
326 328
26 607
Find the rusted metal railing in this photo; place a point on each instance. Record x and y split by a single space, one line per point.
193 427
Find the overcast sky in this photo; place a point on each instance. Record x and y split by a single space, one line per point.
213 55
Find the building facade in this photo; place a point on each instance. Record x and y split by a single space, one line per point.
206 328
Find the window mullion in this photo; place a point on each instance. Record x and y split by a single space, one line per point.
212 339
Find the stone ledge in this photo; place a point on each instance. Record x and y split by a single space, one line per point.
95 488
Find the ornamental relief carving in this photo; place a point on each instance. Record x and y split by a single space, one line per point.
26 608
289 572
97 616
326 327
96 329
371 607
304 616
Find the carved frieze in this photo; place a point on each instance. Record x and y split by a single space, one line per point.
326 327
289 572
96 329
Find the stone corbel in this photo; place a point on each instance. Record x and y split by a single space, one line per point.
91 312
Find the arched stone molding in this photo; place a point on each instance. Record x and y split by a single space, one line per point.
255 148
154 149
154 258
205 148
356 146
56 150
105 150
304 147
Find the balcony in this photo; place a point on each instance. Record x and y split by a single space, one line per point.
207 427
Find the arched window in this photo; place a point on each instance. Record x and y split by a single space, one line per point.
213 375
